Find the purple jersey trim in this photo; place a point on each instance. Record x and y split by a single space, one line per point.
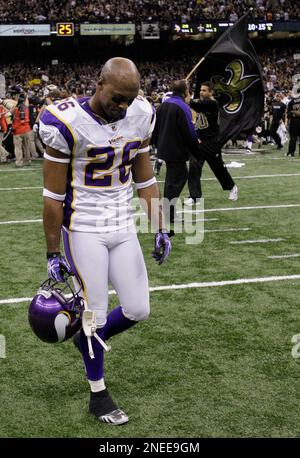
84 104
68 210
177 100
50 119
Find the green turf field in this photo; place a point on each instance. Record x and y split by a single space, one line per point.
212 361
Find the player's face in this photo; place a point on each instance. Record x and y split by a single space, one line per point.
205 93
116 98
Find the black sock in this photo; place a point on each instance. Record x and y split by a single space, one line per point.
101 403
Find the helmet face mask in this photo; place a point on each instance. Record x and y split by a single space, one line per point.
53 315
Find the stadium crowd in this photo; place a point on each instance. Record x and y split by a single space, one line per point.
162 11
80 80
278 68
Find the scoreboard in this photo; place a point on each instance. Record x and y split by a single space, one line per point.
218 27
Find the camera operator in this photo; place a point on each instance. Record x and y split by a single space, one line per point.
3 130
21 128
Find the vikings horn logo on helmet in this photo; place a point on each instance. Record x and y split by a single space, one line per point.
54 316
60 323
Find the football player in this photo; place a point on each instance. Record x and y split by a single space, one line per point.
94 147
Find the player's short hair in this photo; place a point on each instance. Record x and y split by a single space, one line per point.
179 87
208 84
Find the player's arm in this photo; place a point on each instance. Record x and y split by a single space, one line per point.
147 188
55 169
55 181
149 194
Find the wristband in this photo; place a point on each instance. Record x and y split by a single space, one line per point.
170 233
55 254
145 184
53 195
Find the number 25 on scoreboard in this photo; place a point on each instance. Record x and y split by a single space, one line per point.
65 29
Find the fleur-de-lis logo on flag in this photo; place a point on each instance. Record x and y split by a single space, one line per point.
235 86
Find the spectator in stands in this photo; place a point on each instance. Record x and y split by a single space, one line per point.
162 11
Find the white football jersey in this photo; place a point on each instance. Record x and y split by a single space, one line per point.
99 188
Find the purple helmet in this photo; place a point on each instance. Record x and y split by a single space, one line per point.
54 317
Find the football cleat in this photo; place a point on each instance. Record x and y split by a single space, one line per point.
105 409
53 315
116 417
190 201
233 195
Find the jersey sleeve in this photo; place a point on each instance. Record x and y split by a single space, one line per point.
147 114
152 124
55 133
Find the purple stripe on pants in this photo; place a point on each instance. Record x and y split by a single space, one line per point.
67 249
94 367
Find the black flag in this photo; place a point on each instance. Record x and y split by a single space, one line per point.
232 65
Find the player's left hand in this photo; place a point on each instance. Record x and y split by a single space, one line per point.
162 247
58 267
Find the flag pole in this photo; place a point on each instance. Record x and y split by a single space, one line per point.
195 68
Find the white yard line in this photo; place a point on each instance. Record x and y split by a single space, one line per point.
22 222
244 157
202 179
206 219
209 284
187 211
23 169
283 256
240 242
248 177
21 189
229 229
259 207
276 175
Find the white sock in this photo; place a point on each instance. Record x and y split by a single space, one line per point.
97 385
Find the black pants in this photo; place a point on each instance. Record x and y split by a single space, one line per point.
212 154
274 134
294 132
176 177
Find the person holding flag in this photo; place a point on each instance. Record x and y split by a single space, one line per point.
207 126
232 66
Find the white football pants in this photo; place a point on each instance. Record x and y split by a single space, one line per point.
116 257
